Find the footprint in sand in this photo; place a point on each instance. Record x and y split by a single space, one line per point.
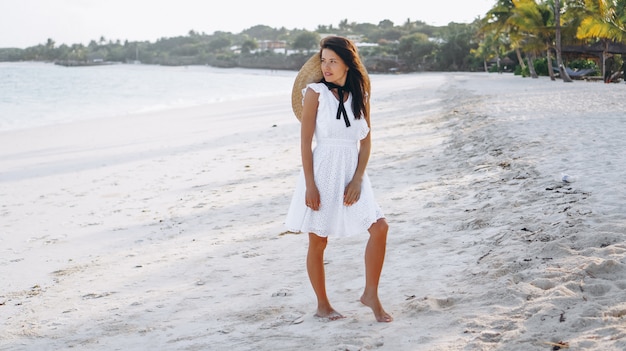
284 320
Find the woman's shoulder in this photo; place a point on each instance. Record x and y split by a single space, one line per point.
316 87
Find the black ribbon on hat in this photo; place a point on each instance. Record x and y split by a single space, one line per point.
341 110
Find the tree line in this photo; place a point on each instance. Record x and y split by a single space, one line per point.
411 46
556 34
525 36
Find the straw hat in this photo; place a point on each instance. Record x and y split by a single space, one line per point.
311 72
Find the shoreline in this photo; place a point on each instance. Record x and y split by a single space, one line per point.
165 230
47 94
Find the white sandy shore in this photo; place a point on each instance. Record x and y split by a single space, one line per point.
164 231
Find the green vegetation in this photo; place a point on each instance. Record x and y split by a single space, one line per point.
386 47
572 31
528 37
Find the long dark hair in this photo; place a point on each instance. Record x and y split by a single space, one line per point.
357 81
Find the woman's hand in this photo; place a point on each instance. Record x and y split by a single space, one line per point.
312 198
352 193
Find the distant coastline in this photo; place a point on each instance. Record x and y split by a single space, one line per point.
73 63
385 48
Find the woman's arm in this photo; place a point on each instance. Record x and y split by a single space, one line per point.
309 115
353 190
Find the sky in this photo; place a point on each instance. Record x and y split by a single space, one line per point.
25 23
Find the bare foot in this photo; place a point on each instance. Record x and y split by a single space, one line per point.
330 315
377 308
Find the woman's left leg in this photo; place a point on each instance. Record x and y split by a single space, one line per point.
374 259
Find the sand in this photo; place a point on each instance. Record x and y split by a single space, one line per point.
164 231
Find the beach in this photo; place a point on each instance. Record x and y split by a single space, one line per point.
164 230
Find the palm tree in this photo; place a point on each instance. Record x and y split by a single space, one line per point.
572 14
496 21
557 21
492 45
605 20
533 21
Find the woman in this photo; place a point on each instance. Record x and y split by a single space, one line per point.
334 195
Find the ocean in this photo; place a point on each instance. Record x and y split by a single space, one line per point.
38 94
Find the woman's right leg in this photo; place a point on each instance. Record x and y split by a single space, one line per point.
317 276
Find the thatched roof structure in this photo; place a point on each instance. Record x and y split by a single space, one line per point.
595 49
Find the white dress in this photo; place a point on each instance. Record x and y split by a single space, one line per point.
335 158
